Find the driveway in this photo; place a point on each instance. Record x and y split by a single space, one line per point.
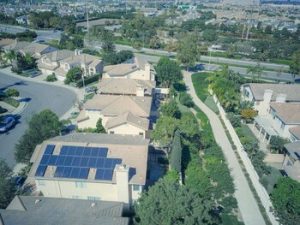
40 96
246 202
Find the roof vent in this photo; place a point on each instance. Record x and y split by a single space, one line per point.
37 201
93 204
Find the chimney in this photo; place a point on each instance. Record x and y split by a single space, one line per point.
148 71
268 95
122 178
140 91
281 98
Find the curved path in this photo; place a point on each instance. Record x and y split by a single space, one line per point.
42 96
247 204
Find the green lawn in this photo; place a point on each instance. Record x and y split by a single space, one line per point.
201 84
11 101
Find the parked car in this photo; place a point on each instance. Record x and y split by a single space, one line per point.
6 123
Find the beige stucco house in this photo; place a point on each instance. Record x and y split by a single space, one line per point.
139 69
91 166
278 107
61 61
117 111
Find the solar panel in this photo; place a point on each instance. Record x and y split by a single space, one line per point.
100 163
67 171
52 160
49 149
84 172
99 174
59 172
108 174
75 172
76 161
45 160
84 162
40 171
60 160
92 162
68 161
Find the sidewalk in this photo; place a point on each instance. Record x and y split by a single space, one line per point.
246 202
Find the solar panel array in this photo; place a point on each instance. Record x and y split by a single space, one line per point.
76 162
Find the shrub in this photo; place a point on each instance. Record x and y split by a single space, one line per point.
186 99
2 110
51 78
277 144
12 92
235 120
88 80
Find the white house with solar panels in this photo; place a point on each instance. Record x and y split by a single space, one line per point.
91 166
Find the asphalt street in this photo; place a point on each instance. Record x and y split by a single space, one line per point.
41 96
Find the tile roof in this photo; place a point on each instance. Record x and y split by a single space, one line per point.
295 131
132 150
29 210
129 118
86 59
114 105
294 149
17 45
289 113
58 55
291 90
124 86
6 41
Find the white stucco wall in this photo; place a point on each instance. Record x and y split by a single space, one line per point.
127 129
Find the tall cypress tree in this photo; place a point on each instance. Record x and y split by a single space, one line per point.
175 157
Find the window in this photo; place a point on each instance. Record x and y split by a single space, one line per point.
41 183
80 184
141 133
136 187
111 132
93 198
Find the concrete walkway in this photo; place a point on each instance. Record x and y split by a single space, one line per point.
246 202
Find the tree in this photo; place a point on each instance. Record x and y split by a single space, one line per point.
163 132
248 114
6 186
187 52
176 153
186 99
277 144
169 203
42 126
188 126
286 201
168 72
10 56
295 64
209 35
99 127
255 70
12 92
170 109
73 75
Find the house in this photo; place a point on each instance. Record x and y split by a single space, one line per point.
36 50
29 210
295 133
281 118
262 94
115 86
61 61
91 166
49 62
116 111
291 163
6 41
138 69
